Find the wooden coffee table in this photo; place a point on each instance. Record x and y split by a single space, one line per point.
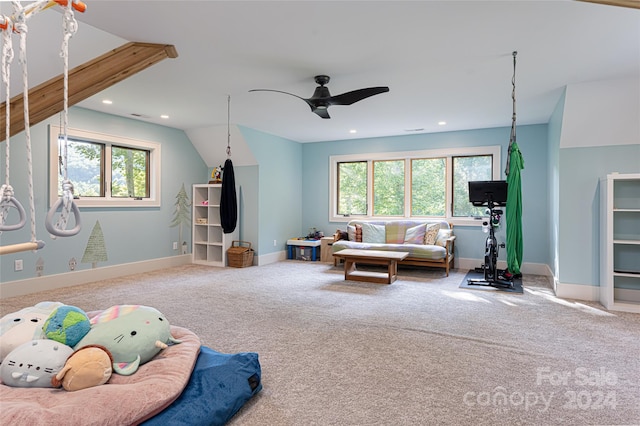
370 257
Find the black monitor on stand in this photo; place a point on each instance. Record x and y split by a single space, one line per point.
488 193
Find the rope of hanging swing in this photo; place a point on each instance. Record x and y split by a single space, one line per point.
228 126
65 203
513 97
8 200
512 137
19 25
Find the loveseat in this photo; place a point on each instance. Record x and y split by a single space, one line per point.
428 242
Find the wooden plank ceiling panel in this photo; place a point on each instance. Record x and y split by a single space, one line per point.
634 4
46 99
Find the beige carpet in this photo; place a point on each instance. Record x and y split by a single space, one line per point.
420 351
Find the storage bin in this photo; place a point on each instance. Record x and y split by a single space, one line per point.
304 253
240 254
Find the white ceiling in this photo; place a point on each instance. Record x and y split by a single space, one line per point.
442 60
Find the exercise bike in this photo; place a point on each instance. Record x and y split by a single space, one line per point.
491 194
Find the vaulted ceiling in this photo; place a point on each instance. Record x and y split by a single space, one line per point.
442 60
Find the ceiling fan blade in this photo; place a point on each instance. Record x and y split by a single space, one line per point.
277 91
349 98
313 105
322 112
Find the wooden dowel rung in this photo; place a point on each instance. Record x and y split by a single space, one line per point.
16 248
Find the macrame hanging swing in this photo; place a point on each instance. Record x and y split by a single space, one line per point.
57 228
18 23
228 199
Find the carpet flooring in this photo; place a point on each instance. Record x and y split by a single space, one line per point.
420 351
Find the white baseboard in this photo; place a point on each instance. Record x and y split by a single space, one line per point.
84 276
590 293
274 257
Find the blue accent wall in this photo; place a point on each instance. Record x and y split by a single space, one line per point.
579 233
131 234
553 185
532 141
279 188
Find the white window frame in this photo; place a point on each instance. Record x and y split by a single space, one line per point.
155 162
448 154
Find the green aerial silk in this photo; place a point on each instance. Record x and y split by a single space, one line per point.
514 210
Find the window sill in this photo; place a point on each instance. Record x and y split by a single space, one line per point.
114 203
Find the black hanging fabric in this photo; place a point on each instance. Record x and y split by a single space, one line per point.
228 200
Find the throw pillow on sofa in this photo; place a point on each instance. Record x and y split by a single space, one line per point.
373 233
354 233
431 233
443 234
415 235
351 232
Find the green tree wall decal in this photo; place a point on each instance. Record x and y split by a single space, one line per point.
96 250
182 215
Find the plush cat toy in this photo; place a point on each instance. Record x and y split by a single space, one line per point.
33 364
24 325
132 333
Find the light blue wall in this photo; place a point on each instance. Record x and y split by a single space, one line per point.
599 133
532 141
247 192
579 232
132 234
555 133
280 182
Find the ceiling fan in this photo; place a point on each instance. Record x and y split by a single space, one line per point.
322 99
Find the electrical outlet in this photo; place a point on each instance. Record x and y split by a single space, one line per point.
17 265
275 243
175 245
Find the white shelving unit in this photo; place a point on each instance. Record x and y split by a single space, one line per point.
210 244
620 242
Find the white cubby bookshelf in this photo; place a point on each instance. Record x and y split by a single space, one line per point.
620 242
210 244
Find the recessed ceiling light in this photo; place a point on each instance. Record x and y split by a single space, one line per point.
353 131
442 123
107 102
165 116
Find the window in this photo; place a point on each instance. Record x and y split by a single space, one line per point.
430 183
129 172
352 188
388 188
106 170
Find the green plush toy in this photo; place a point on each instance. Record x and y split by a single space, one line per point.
67 325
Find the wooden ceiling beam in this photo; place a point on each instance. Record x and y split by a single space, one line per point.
46 99
634 4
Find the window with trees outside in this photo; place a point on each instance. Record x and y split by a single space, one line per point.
105 170
430 183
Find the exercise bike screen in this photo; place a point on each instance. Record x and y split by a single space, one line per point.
481 191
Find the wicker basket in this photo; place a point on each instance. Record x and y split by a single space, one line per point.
240 254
